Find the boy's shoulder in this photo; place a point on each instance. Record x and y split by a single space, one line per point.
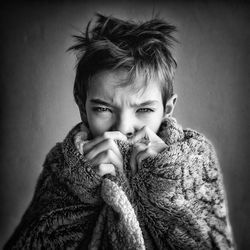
60 148
196 135
199 141
54 156
171 132
63 152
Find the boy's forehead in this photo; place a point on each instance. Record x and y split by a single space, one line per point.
110 85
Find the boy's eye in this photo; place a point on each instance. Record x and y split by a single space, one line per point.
144 110
101 109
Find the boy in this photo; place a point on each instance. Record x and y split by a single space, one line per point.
128 176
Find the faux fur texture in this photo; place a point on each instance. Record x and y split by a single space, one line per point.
176 199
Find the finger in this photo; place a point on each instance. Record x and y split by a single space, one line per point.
115 135
138 147
105 168
103 146
108 157
79 145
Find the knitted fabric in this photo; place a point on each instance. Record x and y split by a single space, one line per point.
175 200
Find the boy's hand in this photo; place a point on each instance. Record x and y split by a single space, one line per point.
104 153
146 143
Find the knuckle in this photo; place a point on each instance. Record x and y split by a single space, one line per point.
106 135
108 153
101 169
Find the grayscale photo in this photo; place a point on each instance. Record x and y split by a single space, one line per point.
125 125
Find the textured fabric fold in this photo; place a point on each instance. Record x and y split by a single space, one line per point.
176 200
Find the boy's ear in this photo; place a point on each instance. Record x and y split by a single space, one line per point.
170 105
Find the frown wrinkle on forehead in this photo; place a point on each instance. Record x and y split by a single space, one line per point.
132 104
113 89
118 98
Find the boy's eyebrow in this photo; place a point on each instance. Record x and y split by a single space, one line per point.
102 102
99 101
146 103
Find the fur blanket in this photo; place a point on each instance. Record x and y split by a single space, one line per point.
176 199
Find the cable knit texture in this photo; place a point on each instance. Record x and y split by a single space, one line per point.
176 199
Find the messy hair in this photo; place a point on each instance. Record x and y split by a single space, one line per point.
141 48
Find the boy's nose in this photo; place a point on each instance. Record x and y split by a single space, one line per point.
126 124
126 128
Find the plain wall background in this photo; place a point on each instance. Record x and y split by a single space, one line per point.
37 106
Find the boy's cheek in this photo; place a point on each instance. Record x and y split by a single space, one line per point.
98 126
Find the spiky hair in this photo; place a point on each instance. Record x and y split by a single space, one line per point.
141 48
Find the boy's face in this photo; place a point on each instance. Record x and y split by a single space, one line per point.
110 107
